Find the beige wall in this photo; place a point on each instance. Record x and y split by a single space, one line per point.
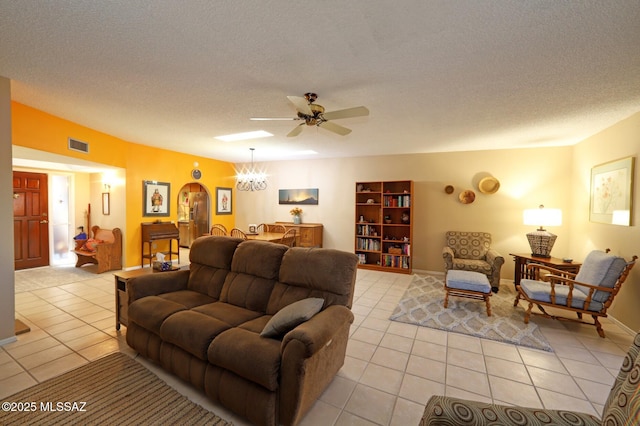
556 177
7 290
528 177
619 141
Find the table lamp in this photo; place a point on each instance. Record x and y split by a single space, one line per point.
541 241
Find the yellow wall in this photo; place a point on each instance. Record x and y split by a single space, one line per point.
35 129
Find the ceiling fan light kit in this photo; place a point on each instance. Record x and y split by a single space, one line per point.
313 114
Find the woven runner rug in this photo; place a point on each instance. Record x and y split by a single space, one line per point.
423 304
114 390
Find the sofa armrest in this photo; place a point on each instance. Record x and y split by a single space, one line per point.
448 256
319 330
443 410
494 258
157 283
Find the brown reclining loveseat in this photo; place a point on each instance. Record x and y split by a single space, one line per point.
215 325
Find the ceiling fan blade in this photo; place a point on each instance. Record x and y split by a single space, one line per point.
346 113
273 118
296 130
335 128
301 104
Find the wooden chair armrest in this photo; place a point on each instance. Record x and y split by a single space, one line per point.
550 269
553 279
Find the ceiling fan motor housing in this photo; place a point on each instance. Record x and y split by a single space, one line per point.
315 119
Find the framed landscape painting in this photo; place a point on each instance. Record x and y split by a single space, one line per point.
611 192
308 196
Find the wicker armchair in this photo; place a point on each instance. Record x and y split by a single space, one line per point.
622 406
471 251
591 291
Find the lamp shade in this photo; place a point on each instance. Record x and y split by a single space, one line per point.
541 241
543 217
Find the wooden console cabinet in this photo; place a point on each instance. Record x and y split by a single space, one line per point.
307 234
157 231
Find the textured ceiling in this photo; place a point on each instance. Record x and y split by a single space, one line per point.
437 76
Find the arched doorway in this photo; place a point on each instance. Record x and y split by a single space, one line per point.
194 209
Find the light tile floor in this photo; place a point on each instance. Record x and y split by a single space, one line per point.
390 371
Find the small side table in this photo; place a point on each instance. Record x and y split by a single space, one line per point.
523 259
122 298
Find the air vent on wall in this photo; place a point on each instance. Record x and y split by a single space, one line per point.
76 145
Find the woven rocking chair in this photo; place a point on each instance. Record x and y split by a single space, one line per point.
591 291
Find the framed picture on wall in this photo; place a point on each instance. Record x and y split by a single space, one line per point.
611 192
156 198
106 205
223 201
308 196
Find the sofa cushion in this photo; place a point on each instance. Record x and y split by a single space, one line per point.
469 245
472 265
151 311
290 316
601 269
248 355
210 259
254 270
311 272
230 314
188 298
259 258
192 331
247 291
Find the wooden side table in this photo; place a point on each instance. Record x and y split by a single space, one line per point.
122 298
523 259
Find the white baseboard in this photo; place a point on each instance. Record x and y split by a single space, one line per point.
622 326
8 340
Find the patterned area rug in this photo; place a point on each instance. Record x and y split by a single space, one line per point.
422 304
114 390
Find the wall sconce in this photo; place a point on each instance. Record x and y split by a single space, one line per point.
541 241
107 187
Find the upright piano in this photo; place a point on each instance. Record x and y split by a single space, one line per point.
153 232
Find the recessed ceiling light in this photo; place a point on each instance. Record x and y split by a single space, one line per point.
244 136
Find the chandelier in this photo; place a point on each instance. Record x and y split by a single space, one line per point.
251 179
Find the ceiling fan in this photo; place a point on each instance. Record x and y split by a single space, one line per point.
314 115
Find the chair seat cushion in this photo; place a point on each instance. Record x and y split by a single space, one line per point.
601 269
466 280
541 291
480 266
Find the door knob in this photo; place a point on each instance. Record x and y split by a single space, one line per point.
44 221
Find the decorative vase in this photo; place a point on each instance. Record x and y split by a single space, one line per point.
296 219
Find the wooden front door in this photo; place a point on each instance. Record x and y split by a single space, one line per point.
30 220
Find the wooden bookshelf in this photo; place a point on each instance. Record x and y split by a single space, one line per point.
384 225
